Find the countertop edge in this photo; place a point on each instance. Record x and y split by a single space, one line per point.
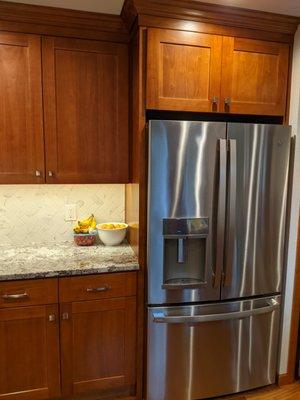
66 273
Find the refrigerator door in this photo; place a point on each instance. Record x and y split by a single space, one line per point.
256 209
202 351
186 210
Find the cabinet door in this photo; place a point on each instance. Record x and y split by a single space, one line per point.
183 70
254 76
98 346
21 123
86 111
29 353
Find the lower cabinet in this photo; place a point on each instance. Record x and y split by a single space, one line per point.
29 353
98 346
84 342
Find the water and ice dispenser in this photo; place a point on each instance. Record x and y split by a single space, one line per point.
185 252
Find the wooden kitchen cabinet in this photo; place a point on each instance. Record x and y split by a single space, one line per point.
29 353
98 335
85 111
77 115
21 115
29 340
254 76
68 336
188 71
183 70
98 346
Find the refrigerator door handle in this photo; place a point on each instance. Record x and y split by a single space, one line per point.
221 212
160 317
231 226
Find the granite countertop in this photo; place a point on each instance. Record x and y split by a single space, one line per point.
66 259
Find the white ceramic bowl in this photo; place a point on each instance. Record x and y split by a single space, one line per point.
112 237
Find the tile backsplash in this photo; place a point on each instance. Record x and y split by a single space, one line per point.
36 213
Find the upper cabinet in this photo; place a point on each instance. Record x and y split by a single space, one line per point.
183 70
21 112
81 86
189 71
64 107
85 110
254 76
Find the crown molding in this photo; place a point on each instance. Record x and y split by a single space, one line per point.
129 14
62 22
193 10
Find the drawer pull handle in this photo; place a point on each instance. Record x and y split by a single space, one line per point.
98 289
18 296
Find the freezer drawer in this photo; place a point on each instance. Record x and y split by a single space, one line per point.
202 351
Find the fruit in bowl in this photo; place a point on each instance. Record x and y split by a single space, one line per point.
85 232
112 233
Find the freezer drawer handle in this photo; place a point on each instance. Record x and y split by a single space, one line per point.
160 317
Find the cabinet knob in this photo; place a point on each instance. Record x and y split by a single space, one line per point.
227 101
52 317
38 173
50 173
65 316
215 100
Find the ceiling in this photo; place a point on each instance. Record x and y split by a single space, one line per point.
291 7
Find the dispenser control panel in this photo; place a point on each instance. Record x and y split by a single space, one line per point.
186 227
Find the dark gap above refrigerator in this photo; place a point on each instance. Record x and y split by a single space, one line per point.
213 117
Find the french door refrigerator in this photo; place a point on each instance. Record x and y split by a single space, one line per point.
216 221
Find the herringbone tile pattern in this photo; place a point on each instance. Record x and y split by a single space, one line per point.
35 213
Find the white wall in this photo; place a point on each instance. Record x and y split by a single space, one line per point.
295 122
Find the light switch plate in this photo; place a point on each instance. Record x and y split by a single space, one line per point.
70 212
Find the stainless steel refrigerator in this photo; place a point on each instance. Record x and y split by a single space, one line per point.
217 197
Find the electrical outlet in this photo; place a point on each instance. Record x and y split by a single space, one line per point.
70 212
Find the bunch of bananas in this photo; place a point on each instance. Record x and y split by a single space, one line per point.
86 226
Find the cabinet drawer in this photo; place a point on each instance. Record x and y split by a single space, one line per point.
97 286
28 292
